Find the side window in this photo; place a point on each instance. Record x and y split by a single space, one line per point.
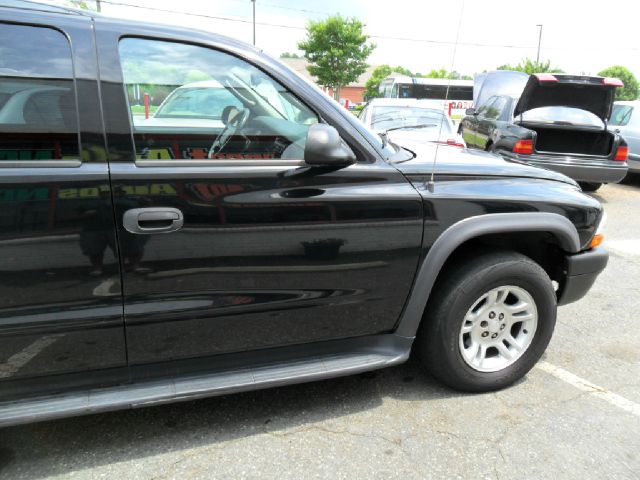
621 115
484 109
38 116
494 110
196 103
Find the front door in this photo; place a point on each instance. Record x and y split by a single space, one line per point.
227 244
60 296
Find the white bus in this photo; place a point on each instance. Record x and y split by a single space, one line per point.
458 99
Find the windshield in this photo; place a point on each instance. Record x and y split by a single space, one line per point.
388 117
621 115
197 103
562 116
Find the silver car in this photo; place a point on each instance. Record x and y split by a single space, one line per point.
625 120
411 119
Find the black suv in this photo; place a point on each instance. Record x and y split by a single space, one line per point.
183 216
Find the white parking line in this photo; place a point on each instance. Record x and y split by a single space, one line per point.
586 386
24 356
626 247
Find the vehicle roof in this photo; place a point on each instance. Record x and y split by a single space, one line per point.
635 103
44 7
193 34
407 102
429 80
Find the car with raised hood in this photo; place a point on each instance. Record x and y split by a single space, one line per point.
555 121
402 119
625 121
283 242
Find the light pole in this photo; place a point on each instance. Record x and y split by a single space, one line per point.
539 41
254 21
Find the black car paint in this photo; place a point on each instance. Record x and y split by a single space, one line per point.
199 304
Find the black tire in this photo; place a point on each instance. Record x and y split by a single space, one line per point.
454 294
589 186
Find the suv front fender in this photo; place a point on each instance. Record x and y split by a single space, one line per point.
560 227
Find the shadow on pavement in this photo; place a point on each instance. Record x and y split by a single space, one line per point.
63 446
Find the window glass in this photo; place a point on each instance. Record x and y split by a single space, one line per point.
430 120
196 103
562 116
482 111
494 110
38 117
405 91
442 92
621 115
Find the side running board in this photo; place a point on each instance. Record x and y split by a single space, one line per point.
360 355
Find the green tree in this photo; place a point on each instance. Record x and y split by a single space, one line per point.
337 50
79 4
529 66
380 73
631 89
443 73
290 55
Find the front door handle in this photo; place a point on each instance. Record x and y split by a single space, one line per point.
152 220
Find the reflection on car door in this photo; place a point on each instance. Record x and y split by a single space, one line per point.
60 297
266 254
471 132
488 120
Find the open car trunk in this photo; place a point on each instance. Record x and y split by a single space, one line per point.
563 140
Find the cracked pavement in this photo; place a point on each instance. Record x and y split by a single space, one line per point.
394 423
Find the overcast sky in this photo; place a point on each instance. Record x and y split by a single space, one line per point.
577 36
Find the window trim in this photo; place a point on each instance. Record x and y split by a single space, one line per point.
66 163
219 163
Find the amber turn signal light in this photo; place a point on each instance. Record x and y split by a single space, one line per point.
597 240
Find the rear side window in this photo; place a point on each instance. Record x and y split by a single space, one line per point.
494 111
484 109
621 115
195 103
38 116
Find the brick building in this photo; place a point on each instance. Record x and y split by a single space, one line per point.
353 92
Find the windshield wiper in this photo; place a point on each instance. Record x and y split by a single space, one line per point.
421 125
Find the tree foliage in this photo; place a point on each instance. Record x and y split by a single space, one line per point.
290 55
443 73
380 73
337 50
631 89
530 66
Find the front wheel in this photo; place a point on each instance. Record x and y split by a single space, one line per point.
589 186
488 322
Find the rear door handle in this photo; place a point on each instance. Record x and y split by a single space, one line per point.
152 220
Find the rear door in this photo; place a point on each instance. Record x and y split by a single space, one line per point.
488 121
228 244
60 299
473 124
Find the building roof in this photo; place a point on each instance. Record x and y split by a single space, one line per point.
300 66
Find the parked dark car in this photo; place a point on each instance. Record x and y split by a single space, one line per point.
273 240
554 121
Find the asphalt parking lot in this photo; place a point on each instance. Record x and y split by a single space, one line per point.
575 416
